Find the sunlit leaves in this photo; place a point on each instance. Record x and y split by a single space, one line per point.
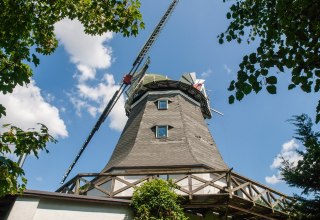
11 177
27 26
289 42
156 199
18 142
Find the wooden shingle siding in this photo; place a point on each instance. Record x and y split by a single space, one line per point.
189 142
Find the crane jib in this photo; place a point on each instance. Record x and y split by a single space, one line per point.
123 86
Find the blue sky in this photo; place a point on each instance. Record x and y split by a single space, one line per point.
71 87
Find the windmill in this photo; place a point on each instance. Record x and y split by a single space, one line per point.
166 137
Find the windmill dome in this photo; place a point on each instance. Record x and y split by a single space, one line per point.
153 77
156 82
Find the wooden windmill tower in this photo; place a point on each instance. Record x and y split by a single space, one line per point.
166 137
166 130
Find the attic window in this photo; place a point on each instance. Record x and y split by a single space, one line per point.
162 104
161 131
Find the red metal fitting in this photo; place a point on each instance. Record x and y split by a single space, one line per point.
127 79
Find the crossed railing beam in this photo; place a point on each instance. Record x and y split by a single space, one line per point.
224 181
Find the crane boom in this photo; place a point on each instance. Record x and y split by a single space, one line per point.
123 85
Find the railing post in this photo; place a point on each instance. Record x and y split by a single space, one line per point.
229 184
190 186
113 182
76 191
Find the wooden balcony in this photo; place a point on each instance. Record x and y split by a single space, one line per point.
220 191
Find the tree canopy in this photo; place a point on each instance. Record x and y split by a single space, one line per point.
12 179
288 34
27 31
156 200
306 173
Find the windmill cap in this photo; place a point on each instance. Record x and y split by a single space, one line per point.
157 82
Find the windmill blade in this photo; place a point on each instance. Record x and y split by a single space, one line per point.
187 79
124 84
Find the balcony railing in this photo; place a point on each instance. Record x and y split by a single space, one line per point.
214 189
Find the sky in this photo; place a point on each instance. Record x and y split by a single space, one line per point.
70 89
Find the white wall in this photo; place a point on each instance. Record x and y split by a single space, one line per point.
26 208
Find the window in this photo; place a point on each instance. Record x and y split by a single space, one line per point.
162 131
163 104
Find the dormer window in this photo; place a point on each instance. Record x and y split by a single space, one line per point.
161 131
162 104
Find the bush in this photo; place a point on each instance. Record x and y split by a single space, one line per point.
156 199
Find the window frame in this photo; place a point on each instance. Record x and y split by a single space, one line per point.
157 130
167 104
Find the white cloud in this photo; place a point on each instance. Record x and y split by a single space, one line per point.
25 107
100 95
90 53
39 179
289 146
288 152
274 179
85 49
227 68
206 74
86 72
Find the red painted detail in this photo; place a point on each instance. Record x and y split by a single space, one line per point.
127 79
198 86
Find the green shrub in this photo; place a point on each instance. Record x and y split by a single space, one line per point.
156 199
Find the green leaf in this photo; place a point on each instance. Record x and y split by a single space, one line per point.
291 86
246 88
253 58
272 89
2 111
35 60
231 99
317 86
271 80
264 72
239 95
231 87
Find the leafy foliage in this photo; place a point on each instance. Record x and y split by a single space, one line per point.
27 31
18 142
156 200
288 32
306 174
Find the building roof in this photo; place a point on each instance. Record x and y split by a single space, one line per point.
156 82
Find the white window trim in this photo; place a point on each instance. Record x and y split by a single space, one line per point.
167 104
157 127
